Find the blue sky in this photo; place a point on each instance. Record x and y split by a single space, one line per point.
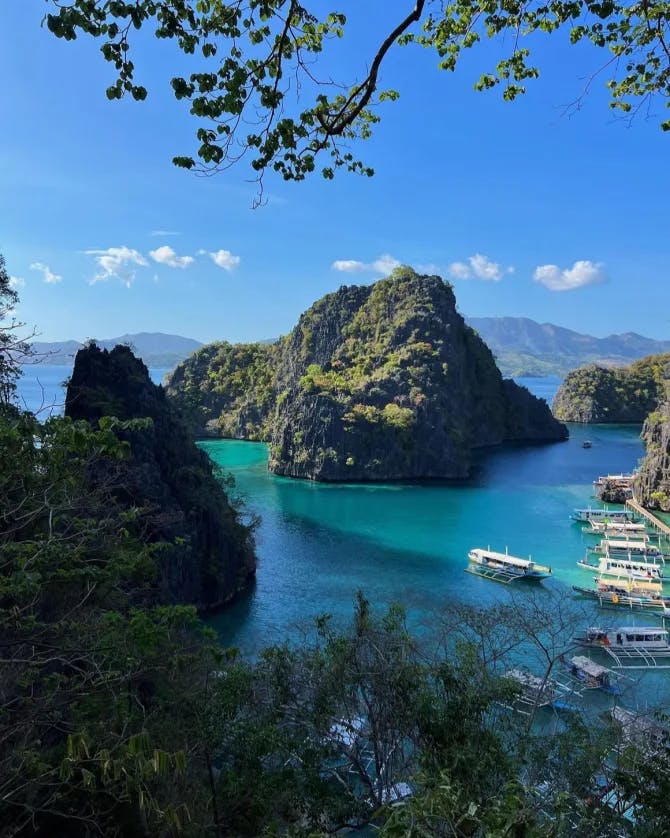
513 202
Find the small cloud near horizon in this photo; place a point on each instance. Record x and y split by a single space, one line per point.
383 264
16 282
222 258
49 276
479 267
584 272
117 263
165 255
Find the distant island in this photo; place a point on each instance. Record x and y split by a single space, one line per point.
595 394
375 382
154 348
524 347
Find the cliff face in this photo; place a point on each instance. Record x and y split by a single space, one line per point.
206 554
597 394
379 382
228 389
652 484
387 382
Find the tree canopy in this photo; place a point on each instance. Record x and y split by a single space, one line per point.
261 82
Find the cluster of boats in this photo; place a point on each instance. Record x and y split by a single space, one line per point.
630 568
629 572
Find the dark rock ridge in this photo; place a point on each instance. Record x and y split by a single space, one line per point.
652 484
377 382
597 394
207 554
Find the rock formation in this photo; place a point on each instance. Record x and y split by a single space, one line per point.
379 382
652 484
206 555
596 394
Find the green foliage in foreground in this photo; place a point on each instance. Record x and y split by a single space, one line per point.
247 59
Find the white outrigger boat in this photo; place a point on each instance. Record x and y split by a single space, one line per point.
627 549
501 567
614 528
626 568
629 593
604 515
630 647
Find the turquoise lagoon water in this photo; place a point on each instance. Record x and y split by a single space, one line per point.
319 543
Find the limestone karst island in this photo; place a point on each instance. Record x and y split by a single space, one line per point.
334 419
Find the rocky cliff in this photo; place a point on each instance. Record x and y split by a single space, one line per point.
652 484
375 382
205 554
597 394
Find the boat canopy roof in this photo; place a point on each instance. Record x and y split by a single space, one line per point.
502 557
595 670
629 630
624 544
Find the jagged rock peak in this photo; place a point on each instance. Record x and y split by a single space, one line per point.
208 555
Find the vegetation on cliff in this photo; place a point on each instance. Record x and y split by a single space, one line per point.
374 383
204 552
228 389
597 394
652 482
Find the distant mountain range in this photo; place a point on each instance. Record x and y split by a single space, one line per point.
522 347
154 348
525 348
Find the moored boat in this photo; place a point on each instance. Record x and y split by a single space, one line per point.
627 548
615 528
630 647
633 594
626 568
535 692
604 514
501 567
592 675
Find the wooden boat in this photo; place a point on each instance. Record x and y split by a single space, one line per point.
614 528
630 647
537 692
591 675
587 443
634 594
501 567
604 514
625 568
627 549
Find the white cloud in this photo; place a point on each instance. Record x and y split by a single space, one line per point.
165 255
459 270
479 267
47 273
583 272
17 282
383 264
117 263
164 233
223 258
